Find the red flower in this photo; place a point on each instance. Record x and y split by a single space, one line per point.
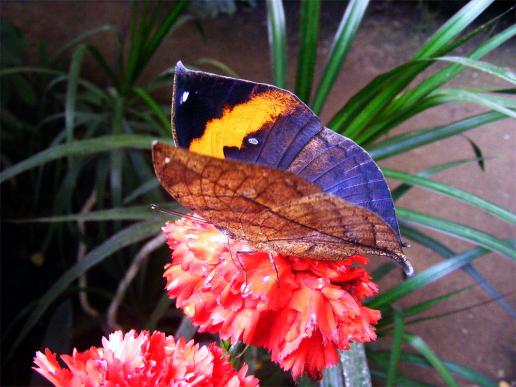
303 313
143 360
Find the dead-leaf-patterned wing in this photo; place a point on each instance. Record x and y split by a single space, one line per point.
273 209
332 229
228 193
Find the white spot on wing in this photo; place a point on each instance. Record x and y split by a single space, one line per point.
167 160
252 141
184 97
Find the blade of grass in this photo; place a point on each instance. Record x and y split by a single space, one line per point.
429 242
162 307
402 189
156 109
123 213
81 37
71 94
419 345
309 33
80 148
452 192
410 99
364 107
149 185
128 236
397 340
219 65
457 230
499 104
405 142
341 44
457 369
427 277
276 26
452 28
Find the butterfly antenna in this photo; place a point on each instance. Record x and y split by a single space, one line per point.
155 207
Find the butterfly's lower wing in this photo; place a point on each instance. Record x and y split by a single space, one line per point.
271 208
331 228
228 193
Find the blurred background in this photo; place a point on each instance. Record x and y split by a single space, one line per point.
85 86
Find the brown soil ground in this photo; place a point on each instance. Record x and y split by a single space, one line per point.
482 338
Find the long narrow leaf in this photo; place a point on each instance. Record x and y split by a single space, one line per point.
309 31
397 340
419 344
405 142
342 41
427 277
413 97
402 189
156 109
453 192
429 242
80 148
277 41
458 230
130 235
71 91
452 28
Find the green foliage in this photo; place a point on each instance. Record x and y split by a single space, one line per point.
385 103
97 135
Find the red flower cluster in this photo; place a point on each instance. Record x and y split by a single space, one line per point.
143 360
303 313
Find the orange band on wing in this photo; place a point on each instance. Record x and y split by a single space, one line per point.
241 120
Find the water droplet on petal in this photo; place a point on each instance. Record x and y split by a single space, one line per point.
253 141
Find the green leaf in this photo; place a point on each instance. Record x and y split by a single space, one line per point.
219 65
162 307
81 37
431 243
149 185
411 99
458 230
452 192
427 277
488 68
402 189
309 32
128 236
499 104
457 369
397 340
419 344
80 148
123 213
365 107
71 91
427 304
277 41
452 28
405 142
156 109
341 44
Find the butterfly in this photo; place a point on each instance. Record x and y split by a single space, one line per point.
256 162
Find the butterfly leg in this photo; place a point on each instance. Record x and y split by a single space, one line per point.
237 260
271 259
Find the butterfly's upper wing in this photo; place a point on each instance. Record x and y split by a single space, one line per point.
258 123
273 209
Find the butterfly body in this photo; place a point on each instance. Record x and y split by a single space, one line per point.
259 164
